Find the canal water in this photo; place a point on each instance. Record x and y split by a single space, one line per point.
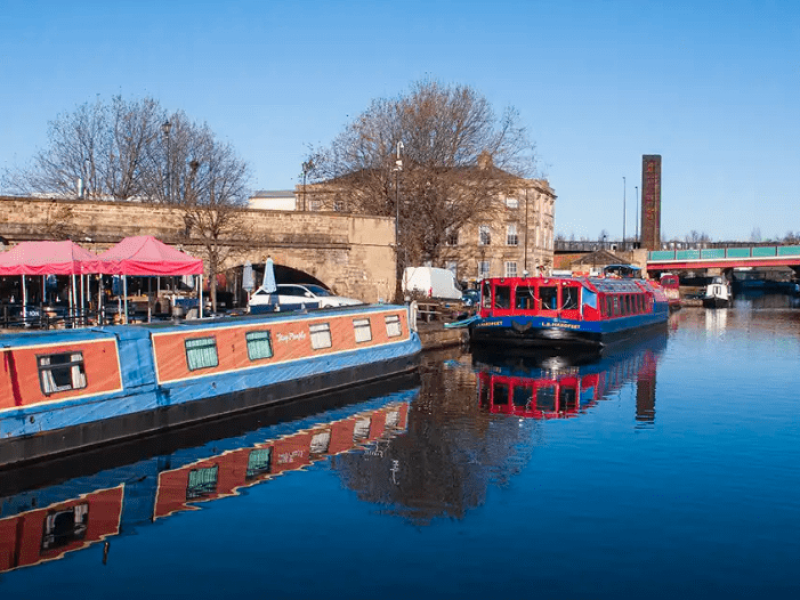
670 469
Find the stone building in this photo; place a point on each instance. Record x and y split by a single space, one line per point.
518 238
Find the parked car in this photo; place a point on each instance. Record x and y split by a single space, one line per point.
431 282
294 296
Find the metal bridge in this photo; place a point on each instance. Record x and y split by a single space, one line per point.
724 258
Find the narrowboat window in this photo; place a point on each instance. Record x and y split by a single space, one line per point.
320 336
361 429
202 482
201 353
65 526
393 328
570 295
259 461
549 297
320 442
502 296
259 345
61 372
526 298
363 330
392 419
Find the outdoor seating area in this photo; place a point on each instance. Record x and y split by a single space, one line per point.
59 284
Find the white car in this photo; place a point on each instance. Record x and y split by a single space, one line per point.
293 296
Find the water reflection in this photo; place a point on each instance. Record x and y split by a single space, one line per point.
557 387
57 507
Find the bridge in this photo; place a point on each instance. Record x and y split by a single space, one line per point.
724 258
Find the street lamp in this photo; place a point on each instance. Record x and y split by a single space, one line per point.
307 166
398 166
165 130
623 213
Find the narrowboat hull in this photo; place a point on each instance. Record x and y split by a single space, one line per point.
138 380
716 302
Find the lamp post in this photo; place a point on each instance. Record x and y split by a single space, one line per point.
165 128
623 213
398 166
307 167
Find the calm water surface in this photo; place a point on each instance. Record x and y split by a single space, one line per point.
670 470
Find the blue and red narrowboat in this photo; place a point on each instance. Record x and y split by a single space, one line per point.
566 312
69 389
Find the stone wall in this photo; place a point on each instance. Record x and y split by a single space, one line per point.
351 254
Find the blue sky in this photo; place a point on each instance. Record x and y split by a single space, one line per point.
712 86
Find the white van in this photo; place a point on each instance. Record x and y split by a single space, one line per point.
431 282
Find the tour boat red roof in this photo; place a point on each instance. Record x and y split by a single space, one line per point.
48 258
145 255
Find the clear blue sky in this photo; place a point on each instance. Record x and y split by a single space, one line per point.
712 86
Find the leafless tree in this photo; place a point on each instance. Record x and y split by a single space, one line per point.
135 149
436 157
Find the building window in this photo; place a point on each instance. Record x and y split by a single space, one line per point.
362 330
201 353
451 237
61 372
511 269
511 235
484 235
259 345
338 206
314 205
320 336
483 269
512 203
393 328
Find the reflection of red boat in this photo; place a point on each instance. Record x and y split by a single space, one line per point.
553 388
671 286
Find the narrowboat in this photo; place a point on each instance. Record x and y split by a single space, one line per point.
717 294
65 390
566 312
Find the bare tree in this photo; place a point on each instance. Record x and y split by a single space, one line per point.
435 157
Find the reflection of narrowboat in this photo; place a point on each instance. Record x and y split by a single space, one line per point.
68 389
37 526
566 312
552 387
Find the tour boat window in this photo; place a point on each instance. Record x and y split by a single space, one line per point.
61 372
202 482
522 396
609 306
259 345
549 297
570 298
486 294
320 336
500 394
484 394
526 298
589 298
546 399
393 328
201 353
568 398
616 306
502 296
363 330
259 461
65 526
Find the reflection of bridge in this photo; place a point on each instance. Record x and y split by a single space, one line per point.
724 258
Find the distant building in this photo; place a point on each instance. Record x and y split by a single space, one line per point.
274 200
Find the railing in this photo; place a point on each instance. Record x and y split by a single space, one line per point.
725 253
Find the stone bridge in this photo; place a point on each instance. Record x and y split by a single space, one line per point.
352 255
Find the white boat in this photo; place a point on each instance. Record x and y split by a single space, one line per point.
718 294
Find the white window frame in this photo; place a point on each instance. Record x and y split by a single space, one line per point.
320 334
512 203
512 239
511 268
484 235
484 269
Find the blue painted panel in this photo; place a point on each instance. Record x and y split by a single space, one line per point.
789 251
762 251
738 252
713 253
688 254
661 255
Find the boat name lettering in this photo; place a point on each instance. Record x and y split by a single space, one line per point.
565 325
288 457
490 324
287 337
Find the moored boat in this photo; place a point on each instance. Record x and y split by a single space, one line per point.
671 286
566 312
717 294
69 389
